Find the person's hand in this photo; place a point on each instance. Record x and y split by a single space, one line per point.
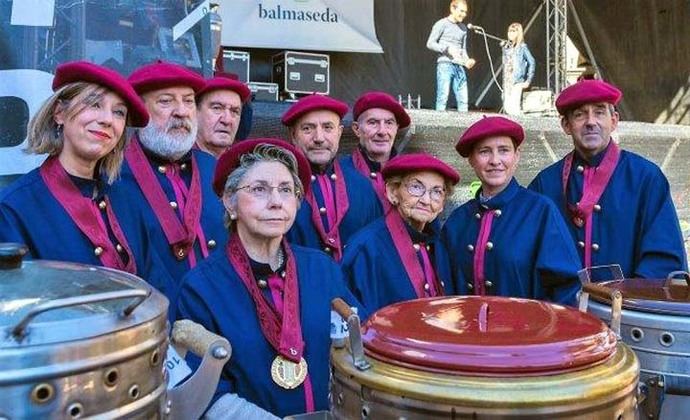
470 63
454 52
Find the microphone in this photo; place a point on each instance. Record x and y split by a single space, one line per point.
473 27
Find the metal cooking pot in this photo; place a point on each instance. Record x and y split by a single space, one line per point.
79 341
482 357
652 316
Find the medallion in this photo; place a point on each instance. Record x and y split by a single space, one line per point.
288 374
579 222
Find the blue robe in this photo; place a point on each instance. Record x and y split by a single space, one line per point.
637 226
348 165
30 214
214 295
211 210
531 257
374 270
363 208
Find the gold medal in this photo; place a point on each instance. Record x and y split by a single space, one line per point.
288 374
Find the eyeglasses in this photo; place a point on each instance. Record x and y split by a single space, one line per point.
417 189
263 191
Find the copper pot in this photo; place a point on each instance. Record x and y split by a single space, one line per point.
483 357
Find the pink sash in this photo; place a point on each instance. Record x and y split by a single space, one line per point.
480 251
86 214
335 210
595 181
280 323
379 185
415 271
180 237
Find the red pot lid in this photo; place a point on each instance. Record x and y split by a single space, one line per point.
487 336
660 296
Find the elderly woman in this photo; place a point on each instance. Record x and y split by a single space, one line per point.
62 210
399 256
270 299
507 241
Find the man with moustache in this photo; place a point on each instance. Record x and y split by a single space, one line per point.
219 108
617 204
377 117
164 178
340 200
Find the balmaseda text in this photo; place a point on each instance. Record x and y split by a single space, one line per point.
280 13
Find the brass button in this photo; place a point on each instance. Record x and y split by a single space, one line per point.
102 205
98 251
489 245
183 166
322 210
262 283
173 204
428 247
470 247
597 207
470 285
443 284
211 243
334 177
372 175
283 274
595 247
416 247
313 178
426 286
580 168
161 169
498 213
119 248
327 249
488 283
478 215
581 244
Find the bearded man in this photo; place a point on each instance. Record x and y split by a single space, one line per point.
165 178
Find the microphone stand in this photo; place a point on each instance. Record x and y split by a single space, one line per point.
481 31
502 43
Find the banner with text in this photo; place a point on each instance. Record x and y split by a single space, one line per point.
323 25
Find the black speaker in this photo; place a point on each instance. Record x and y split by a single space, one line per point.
14 118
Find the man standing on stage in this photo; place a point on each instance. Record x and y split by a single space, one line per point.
616 204
340 200
167 180
219 108
376 118
448 38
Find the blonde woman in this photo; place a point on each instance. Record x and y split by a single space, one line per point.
518 69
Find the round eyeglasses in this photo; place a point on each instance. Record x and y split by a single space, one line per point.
417 189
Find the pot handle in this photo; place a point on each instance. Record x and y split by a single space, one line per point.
139 294
190 399
616 303
354 331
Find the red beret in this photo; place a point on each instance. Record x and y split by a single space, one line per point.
312 103
414 162
83 71
489 127
381 100
587 91
160 75
224 81
230 160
